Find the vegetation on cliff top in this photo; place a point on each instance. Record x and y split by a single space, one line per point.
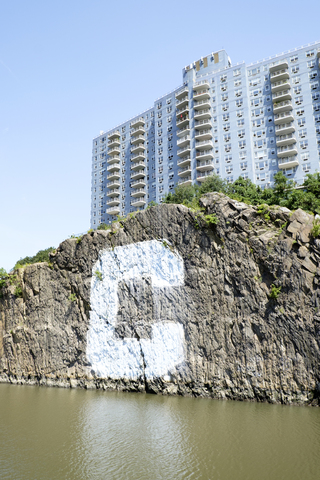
283 193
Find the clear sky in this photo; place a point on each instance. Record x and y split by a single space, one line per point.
69 69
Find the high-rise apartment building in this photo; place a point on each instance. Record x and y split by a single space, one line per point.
233 120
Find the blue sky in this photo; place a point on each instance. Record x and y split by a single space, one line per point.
69 69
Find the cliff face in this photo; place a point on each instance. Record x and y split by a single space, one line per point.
168 303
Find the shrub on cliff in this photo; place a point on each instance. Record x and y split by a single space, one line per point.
41 256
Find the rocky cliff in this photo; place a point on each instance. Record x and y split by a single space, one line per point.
169 302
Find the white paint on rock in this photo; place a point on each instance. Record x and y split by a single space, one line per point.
117 358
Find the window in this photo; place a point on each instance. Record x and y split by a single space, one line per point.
295 69
261 165
226 127
240 113
311 63
297 90
228 158
255 82
229 169
305 156
242 154
227 148
258 122
253 71
255 93
306 167
256 102
243 165
239 103
242 144
159 105
299 100
237 83
227 137
229 179
304 144
223 78
300 112
225 117
225 107
313 75
238 93
314 85
160 132
241 133
224 97
296 80
159 115
159 141
240 122
315 96
236 72
260 154
303 133
169 109
168 101
260 143
257 112
301 122
316 107
294 59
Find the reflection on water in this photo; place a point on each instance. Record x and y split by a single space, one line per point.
48 434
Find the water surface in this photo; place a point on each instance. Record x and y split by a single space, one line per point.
51 433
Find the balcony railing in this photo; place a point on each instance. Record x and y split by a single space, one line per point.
113 210
181 92
201 176
282 106
288 150
280 74
115 133
185 180
138 156
183 140
184 161
201 103
115 183
137 130
204 143
138 173
138 192
184 150
281 85
288 162
205 154
285 128
136 122
183 101
201 114
138 165
201 84
276 66
182 172
141 181
283 116
205 165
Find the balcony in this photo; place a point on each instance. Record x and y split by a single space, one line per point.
184 161
201 176
288 162
201 124
281 96
138 157
203 135
201 95
137 122
182 92
282 85
113 184
201 105
184 131
205 155
185 181
113 210
282 65
138 165
204 145
281 74
283 117
113 176
286 140
138 192
202 114
114 142
201 85
282 106
204 165
115 192
181 142
182 121
137 139
114 159
137 131
114 151
138 202
287 151
137 148
115 133
184 151
113 202
183 102
181 112
113 167
285 128
138 183
138 174
184 172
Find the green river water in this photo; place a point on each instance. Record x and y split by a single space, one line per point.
51 433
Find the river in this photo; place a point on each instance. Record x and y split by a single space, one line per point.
52 433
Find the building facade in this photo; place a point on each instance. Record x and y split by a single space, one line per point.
242 120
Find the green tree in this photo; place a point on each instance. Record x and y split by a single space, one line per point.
213 183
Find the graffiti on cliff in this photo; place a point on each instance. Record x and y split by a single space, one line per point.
134 357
